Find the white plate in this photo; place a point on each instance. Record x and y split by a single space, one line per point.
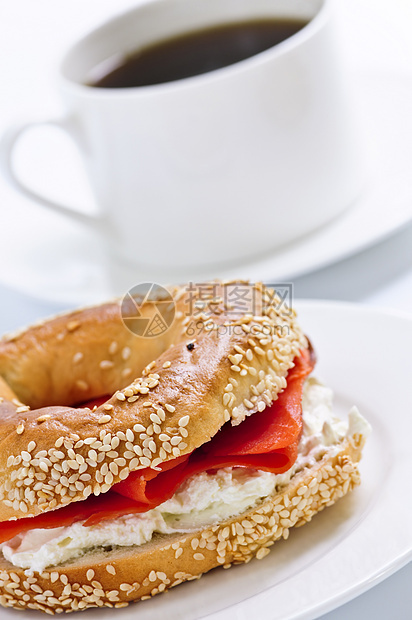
364 355
49 257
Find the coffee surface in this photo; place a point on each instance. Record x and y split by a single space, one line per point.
197 52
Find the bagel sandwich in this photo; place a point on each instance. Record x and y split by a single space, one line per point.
129 465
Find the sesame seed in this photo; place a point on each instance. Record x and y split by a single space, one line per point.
184 421
104 419
77 357
249 355
129 434
167 364
120 396
198 556
170 408
113 347
104 469
126 352
111 569
224 533
82 385
226 399
104 364
22 409
160 412
20 429
31 446
236 359
43 418
262 552
72 326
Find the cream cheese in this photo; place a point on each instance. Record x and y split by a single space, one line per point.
202 500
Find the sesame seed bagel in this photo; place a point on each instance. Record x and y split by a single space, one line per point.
117 577
170 393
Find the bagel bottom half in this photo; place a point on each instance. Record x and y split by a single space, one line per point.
114 578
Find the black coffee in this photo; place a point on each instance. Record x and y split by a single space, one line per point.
197 52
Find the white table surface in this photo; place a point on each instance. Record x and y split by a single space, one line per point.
32 37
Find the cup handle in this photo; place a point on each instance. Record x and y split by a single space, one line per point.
7 144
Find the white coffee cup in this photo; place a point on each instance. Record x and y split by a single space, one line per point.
218 167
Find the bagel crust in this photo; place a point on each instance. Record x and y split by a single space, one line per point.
121 576
168 398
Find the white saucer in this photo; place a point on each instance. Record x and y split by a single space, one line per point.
49 257
59 261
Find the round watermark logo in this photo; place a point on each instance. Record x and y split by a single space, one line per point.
148 310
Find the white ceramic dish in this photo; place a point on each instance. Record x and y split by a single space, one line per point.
64 263
364 356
